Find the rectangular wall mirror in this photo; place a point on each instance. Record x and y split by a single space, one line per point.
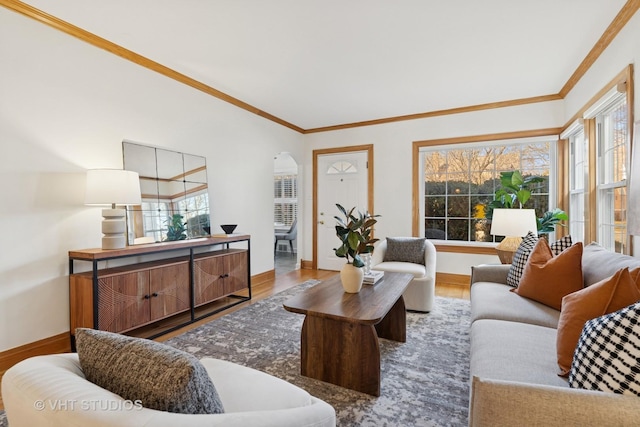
175 196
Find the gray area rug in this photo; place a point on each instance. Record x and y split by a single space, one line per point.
424 382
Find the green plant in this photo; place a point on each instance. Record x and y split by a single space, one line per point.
547 222
515 191
355 232
176 228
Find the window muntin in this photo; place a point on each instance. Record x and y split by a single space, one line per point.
459 182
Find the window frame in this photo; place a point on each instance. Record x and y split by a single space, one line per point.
622 82
418 181
576 139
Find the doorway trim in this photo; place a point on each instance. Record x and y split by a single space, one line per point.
325 151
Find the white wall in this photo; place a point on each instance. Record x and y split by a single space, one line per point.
65 107
393 163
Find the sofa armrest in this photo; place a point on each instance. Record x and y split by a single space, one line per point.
496 273
498 403
430 255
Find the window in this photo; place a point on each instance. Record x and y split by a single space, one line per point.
578 160
612 140
460 180
285 193
194 207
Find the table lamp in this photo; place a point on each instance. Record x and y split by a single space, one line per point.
113 187
514 224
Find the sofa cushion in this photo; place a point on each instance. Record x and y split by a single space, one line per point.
418 270
405 249
606 296
160 376
606 358
524 250
494 301
599 263
513 351
547 279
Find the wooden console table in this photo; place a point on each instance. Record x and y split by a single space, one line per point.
202 277
339 339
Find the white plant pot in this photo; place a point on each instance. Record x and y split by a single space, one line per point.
351 278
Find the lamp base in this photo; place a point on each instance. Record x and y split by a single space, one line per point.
507 248
113 227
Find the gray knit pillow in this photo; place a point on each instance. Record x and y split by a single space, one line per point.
160 376
405 249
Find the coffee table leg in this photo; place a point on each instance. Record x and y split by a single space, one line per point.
394 325
341 353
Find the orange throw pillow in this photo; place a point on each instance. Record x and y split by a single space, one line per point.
547 279
607 296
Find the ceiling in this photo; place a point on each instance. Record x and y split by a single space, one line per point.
320 63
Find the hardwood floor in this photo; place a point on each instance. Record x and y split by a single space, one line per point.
288 280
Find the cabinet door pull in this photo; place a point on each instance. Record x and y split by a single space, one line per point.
155 294
147 297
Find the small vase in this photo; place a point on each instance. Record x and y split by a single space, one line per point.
351 278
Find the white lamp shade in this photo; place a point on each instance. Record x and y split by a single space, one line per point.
513 222
112 186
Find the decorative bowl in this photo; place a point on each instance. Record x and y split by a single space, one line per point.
228 228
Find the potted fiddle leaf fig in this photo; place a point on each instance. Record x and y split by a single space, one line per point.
515 191
355 232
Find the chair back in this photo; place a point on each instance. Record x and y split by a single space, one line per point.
293 231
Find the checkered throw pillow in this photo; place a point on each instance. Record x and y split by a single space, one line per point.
524 250
606 357
560 245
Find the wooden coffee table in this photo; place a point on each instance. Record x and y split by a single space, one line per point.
339 339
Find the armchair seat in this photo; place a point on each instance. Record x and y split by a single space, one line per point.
417 270
420 294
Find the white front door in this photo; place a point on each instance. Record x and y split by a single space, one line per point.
342 178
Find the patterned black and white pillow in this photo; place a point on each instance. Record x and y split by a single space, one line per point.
520 259
524 250
606 357
561 244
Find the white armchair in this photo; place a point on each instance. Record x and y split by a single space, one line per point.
420 293
52 390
